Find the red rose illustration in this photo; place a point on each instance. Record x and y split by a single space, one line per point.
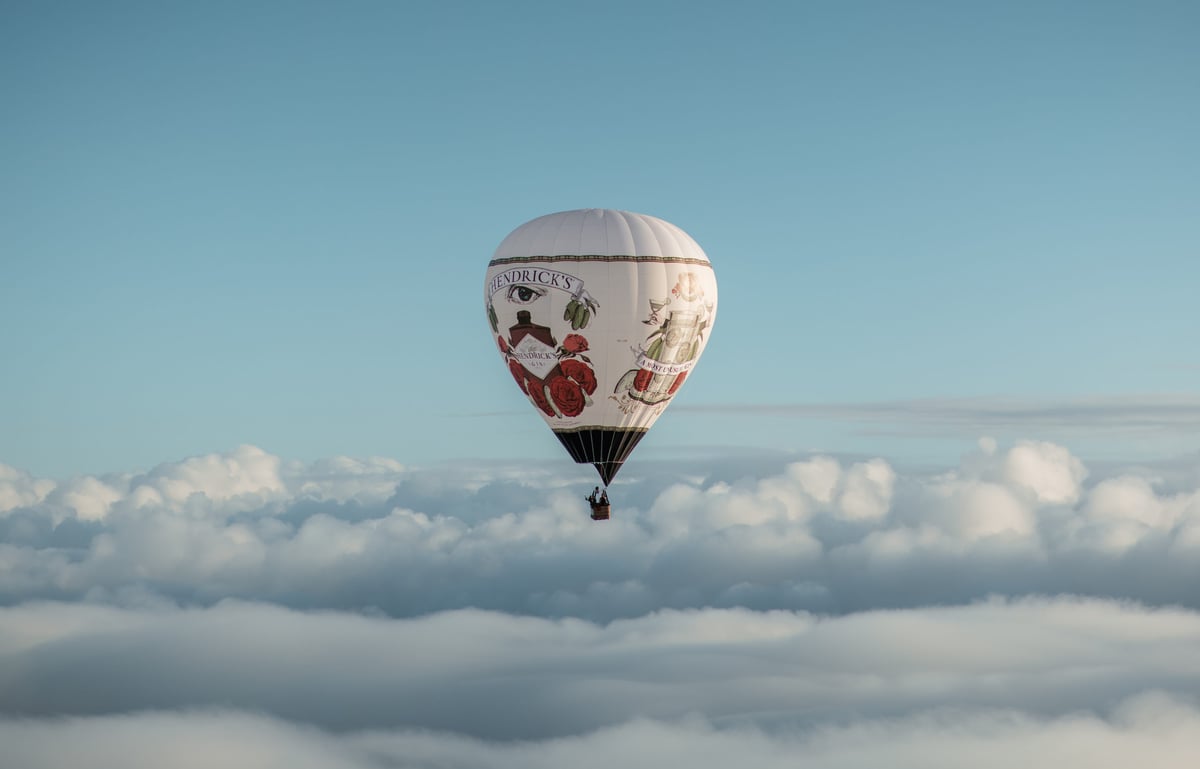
575 343
581 373
642 380
567 396
503 344
539 397
678 381
518 372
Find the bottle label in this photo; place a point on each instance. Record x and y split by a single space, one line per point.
537 357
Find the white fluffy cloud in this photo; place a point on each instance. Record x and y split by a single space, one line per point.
1047 471
818 612
247 476
20 489
818 534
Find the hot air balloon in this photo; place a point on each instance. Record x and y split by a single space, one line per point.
600 316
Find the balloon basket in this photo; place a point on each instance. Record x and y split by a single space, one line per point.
600 512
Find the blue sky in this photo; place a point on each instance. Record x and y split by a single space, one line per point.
268 223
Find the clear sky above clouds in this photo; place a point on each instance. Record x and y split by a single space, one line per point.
268 222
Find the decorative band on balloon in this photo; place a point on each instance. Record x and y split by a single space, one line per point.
699 262
600 428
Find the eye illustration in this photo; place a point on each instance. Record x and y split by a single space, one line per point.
525 294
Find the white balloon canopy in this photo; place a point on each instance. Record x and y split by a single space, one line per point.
600 316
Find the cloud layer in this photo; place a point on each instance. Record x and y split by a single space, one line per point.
1151 730
1020 608
1037 682
817 534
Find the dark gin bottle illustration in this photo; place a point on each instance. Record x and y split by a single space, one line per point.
525 326
533 345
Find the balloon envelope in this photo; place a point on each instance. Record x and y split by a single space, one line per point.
600 317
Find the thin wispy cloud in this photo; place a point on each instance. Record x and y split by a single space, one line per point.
1170 413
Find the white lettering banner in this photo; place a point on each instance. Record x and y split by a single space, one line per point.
536 276
666 369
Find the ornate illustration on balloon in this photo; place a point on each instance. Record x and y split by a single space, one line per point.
669 352
558 378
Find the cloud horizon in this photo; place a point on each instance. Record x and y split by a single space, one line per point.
479 688
818 534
